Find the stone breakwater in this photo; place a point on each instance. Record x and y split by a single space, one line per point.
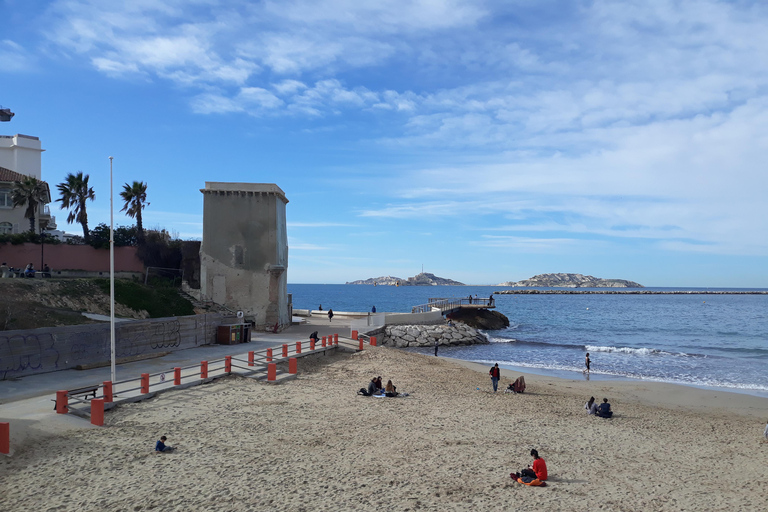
629 292
425 335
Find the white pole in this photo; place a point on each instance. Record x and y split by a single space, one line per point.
111 274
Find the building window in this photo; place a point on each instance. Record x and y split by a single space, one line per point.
5 198
6 228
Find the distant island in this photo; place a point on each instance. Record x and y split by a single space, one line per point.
423 279
572 281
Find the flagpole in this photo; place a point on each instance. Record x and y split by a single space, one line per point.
111 274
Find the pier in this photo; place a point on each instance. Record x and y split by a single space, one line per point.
450 305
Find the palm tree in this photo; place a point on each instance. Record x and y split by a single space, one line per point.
30 192
135 198
74 193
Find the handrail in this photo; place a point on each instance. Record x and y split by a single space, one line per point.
453 303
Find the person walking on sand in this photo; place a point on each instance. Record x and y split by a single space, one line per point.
495 376
765 432
330 315
586 362
160 446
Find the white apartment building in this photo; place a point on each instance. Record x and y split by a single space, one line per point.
20 155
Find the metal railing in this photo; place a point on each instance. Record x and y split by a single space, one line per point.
453 303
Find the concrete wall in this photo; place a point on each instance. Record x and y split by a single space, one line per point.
70 257
22 154
34 351
244 253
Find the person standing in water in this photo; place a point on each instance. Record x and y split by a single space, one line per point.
586 362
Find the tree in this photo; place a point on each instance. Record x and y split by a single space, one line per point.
74 193
30 192
135 198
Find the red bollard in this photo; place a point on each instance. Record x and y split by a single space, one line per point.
97 412
311 344
269 355
336 339
5 438
250 358
176 376
373 341
324 337
292 367
354 335
271 371
298 347
228 364
108 398
62 399
285 350
361 343
203 369
144 383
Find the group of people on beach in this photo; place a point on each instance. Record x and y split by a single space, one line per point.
375 389
602 411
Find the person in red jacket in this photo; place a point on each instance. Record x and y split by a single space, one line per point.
495 374
538 470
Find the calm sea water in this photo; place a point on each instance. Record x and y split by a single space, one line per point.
716 341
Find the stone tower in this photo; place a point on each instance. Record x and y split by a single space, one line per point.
244 253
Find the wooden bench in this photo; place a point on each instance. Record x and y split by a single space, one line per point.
84 391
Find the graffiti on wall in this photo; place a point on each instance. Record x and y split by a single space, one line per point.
50 349
31 352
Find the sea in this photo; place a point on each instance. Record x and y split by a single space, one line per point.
709 341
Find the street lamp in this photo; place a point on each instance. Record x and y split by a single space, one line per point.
111 275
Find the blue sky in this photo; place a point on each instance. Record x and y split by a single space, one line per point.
487 141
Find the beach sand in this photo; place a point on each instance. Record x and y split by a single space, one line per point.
313 444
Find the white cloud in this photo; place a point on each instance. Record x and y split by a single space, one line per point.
13 57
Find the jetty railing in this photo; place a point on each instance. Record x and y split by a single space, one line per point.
444 304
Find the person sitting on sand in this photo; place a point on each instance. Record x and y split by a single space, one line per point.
538 470
591 406
519 385
604 409
390 390
379 386
160 446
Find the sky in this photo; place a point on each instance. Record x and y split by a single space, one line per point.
482 141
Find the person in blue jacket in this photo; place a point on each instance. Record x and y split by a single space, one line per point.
160 446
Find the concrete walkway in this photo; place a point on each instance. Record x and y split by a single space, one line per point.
26 403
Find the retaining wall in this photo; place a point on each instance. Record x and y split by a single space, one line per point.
33 351
70 257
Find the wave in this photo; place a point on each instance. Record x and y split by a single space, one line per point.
628 350
643 351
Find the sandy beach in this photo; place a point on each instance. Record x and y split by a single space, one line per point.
313 444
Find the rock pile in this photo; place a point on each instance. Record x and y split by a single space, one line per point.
425 335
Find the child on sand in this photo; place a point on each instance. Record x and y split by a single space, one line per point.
160 446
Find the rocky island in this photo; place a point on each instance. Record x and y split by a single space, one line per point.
423 279
572 281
